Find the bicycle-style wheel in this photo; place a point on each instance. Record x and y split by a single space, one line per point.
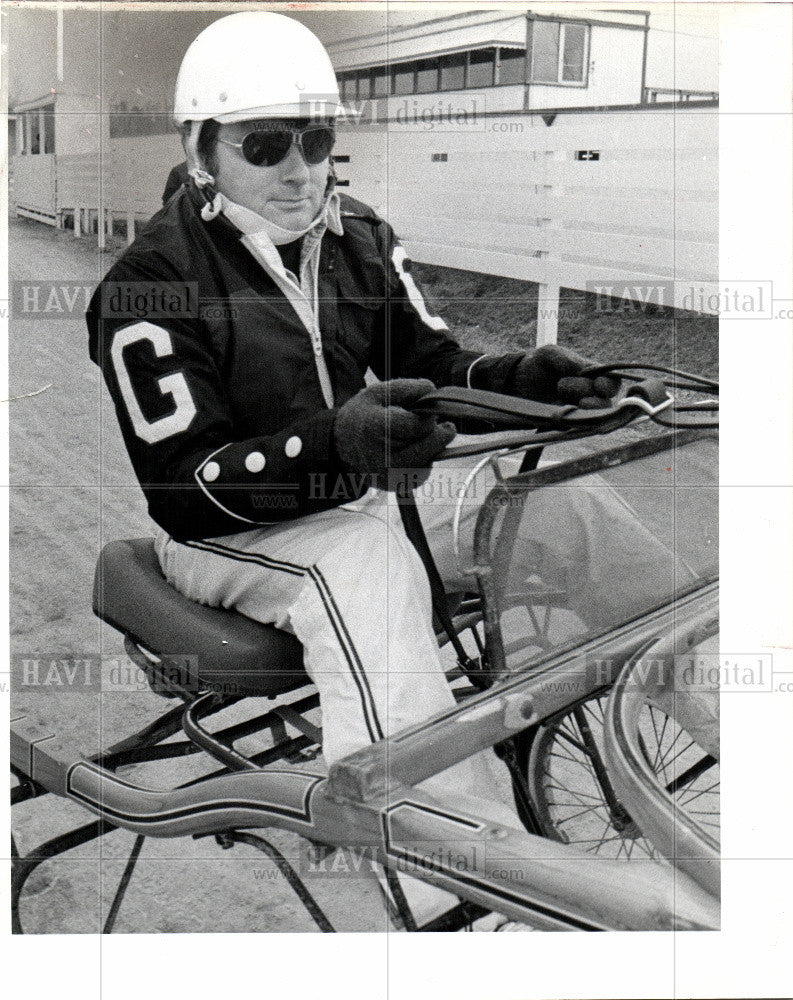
573 794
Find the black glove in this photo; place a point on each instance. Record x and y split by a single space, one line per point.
374 432
551 374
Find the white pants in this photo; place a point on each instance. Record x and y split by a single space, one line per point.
351 587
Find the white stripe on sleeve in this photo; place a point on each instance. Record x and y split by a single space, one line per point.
416 298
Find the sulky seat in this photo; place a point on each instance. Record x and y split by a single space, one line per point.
214 648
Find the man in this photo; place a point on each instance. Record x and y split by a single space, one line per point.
250 425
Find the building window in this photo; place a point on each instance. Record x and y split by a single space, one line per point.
545 51
365 84
426 76
37 130
381 82
348 84
511 65
558 52
475 68
452 71
481 65
573 52
404 79
353 85
49 129
34 132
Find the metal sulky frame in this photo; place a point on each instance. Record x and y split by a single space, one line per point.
370 798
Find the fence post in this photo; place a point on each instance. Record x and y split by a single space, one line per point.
130 227
547 314
78 221
548 291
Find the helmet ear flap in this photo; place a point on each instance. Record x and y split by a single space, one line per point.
195 165
203 180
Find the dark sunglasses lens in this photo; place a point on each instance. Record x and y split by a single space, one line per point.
317 144
265 149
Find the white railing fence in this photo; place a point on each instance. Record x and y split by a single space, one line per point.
620 200
625 200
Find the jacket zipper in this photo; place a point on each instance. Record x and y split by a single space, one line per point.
313 307
316 336
314 331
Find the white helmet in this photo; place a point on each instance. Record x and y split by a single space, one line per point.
256 64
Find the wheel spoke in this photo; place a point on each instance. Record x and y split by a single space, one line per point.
594 840
659 741
577 792
572 736
576 743
604 839
600 716
669 749
647 847
696 795
686 780
706 822
583 761
565 756
580 797
582 812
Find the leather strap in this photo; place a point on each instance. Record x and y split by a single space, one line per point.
514 413
414 529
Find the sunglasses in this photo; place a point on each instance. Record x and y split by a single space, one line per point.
268 148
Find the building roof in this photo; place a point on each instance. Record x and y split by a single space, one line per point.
40 102
411 38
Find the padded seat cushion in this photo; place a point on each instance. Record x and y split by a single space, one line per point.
217 649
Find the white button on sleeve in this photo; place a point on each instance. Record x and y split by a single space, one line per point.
255 462
210 472
293 447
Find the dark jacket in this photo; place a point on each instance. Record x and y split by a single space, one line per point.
176 178
212 372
